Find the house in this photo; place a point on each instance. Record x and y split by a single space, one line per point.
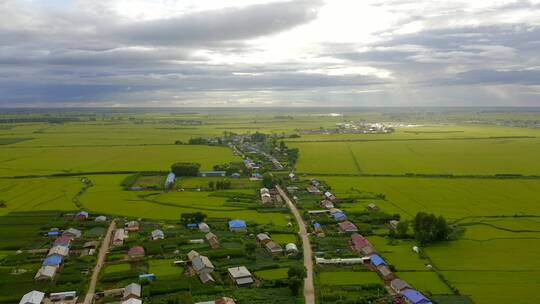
157 235
266 199
255 176
63 296
169 181
72 233
235 175
212 240
192 254
313 190
330 196
292 176
237 226
263 238
317 228
132 291
414 297
101 218
202 264
53 233
385 272
393 224
147 276
223 300
63 240
376 260
53 260
81 216
339 216
203 227
327 204
132 301
241 276
273 247
398 285
348 261
119 236
213 174
291 249
372 207
361 245
132 226
136 252
315 182
62 251
347 226
45 273
33 297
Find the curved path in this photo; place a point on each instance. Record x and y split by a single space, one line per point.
309 290
100 261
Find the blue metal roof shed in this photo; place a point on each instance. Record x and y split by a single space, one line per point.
237 224
377 260
52 260
316 225
339 216
415 297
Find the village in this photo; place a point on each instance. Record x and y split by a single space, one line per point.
205 260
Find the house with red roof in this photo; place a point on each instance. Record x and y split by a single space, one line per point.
136 252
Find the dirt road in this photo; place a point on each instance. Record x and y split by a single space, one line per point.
100 260
309 291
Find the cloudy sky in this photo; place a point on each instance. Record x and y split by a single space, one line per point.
56 53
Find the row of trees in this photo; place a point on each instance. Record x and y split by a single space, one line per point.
186 169
220 185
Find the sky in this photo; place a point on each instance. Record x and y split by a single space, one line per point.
198 53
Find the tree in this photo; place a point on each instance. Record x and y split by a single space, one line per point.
402 229
268 181
211 185
185 169
297 271
295 284
430 229
195 217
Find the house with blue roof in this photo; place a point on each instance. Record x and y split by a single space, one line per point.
170 180
148 276
52 260
53 233
339 216
81 216
237 226
376 260
414 297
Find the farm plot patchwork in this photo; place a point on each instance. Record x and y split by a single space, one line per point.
23 161
476 156
106 196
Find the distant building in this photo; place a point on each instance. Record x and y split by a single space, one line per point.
347 226
348 261
81 216
385 272
393 224
53 260
240 276
212 240
157 235
132 291
263 238
33 297
203 227
63 240
45 273
169 181
136 252
63 296
327 204
273 247
101 218
119 236
72 233
414 297
339 216
213 174
237 226
62 251
372 207
398 285
132 226
291 249
361 245
376 260
132 301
